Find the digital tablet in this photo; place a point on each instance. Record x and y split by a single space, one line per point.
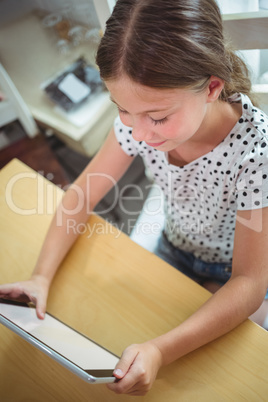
73 350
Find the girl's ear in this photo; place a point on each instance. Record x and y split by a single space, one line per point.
214 88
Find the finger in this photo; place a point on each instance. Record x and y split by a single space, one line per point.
122 369
135 392
41 307
129 385
6 290
139 389
126 361
13 291
136 381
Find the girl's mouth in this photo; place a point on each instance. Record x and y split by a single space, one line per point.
155 144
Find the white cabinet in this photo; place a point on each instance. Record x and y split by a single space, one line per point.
249 31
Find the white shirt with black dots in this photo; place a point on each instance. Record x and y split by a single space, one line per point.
202 197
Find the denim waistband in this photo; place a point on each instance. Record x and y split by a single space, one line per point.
191 266
196 269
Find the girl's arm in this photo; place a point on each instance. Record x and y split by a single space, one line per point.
95 181
227 308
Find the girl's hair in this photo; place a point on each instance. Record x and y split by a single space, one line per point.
170 44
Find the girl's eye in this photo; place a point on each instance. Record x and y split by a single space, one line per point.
121 111
161 121
155 122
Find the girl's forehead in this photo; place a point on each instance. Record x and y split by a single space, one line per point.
124 88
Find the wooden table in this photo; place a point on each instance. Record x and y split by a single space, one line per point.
117 293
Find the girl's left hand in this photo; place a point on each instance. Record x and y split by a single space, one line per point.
137 369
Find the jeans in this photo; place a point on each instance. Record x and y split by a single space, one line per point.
196 269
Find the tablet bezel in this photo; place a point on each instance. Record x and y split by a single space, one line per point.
90 376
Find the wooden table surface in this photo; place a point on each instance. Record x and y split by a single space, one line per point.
117 293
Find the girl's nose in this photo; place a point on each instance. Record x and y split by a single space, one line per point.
140 129
141 133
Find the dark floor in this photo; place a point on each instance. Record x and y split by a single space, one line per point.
62 165
35 152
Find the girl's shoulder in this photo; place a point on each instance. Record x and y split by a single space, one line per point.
250 132
252 116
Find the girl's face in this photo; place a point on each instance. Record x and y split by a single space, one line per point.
163 118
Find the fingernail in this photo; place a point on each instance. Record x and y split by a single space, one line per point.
118 373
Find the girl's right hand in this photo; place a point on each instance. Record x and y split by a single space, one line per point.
34 290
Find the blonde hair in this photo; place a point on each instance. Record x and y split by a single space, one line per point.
170 44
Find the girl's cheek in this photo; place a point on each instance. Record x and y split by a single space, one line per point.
126 120
169 132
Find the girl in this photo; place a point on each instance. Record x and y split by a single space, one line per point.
184 104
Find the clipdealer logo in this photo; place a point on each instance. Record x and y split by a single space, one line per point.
45 199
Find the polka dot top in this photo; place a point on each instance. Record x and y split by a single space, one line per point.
202 197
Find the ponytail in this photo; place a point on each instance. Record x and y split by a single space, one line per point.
239 80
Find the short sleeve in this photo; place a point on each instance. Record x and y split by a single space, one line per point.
252 184
124 137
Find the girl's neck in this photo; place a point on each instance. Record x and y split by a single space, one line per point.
220 118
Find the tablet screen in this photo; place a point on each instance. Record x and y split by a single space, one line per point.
61 338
